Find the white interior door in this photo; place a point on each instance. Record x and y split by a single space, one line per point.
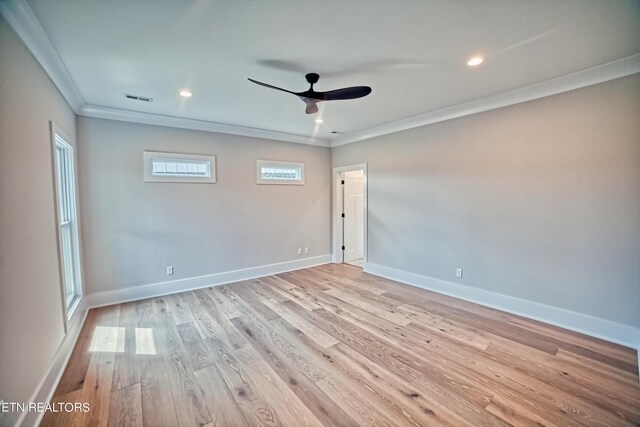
353 208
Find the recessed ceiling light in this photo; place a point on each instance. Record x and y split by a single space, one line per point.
475 61
185 93
319 121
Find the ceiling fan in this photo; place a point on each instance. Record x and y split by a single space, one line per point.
311 97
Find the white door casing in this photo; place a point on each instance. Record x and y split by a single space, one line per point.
353 222
337 222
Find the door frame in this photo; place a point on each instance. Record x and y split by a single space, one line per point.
336 218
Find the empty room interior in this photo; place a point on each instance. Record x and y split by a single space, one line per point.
336 213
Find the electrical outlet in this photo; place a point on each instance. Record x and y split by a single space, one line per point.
170 270
458 272
306 249
299 251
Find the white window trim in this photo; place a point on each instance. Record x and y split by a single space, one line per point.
149 156
266 163
69 307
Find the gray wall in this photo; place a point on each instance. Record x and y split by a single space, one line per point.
539 201
133 230
31 318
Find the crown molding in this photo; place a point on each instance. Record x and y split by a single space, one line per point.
24 22
590 76
21 18
203 125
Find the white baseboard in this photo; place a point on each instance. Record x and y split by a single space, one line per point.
171 287
593 326
46 388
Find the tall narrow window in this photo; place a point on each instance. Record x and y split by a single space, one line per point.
67 219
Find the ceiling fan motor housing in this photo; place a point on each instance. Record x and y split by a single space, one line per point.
312 78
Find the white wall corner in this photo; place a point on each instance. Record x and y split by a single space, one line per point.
46 388
153 290
593 326
21 18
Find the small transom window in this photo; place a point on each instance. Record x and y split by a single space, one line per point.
174 167
273 172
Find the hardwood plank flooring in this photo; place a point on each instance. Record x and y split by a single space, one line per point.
333 346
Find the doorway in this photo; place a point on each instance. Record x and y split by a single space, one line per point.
350 218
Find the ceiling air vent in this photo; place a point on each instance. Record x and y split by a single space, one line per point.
138 97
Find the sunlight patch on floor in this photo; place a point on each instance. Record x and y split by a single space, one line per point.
108 339
145 344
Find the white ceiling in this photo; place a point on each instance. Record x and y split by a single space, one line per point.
411 52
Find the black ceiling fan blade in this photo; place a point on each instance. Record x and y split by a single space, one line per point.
312 108
270 86
310 97
344 93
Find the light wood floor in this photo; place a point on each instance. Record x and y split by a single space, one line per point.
331 345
